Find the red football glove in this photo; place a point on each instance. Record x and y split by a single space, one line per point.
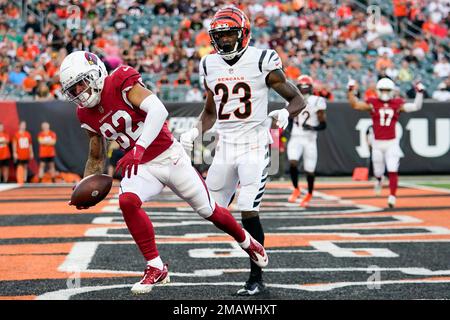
130 160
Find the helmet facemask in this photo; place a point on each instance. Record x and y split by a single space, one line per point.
305 84
385 94
305 89
85 90
227 49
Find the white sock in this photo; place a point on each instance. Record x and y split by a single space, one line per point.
246 243
156 263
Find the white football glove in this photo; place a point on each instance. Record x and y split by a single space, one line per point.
351 84
281 116
419 87
187 139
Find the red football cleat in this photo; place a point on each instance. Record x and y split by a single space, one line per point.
294 195
152 276
306 200
257 252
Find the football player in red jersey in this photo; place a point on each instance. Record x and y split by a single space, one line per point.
119 107
385 110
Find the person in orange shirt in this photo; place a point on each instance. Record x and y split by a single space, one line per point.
182 80
344 12
5 154
28 51
202 38
383 62
47 141
371 92
22 152
291 70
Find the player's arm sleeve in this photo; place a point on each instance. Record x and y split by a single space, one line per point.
414 106
321 126
154 120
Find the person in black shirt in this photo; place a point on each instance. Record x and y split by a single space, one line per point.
120 23
33 24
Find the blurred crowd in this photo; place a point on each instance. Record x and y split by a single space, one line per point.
311 36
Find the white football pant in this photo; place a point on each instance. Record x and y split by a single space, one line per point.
298 146
173 169
385 154
246 165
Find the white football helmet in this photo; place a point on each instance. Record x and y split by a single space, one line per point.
82 75
385 89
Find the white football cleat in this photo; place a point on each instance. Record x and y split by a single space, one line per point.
378 187
391 201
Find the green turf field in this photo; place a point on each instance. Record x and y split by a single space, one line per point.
437 185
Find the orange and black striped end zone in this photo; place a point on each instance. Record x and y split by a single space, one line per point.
346 223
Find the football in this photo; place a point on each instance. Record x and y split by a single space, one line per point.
91 190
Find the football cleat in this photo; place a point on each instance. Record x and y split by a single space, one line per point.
306 200
152 276
252 288
378 187
257 252
294 195
391 201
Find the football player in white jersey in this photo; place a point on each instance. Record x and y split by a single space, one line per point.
237 79
303 140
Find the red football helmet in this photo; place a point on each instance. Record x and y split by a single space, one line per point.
226 24
305 84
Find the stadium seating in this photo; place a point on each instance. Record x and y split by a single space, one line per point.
337 55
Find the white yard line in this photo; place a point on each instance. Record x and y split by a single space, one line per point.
8 186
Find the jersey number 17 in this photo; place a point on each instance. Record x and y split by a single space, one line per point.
386 116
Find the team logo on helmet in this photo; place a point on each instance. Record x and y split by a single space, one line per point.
91 59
